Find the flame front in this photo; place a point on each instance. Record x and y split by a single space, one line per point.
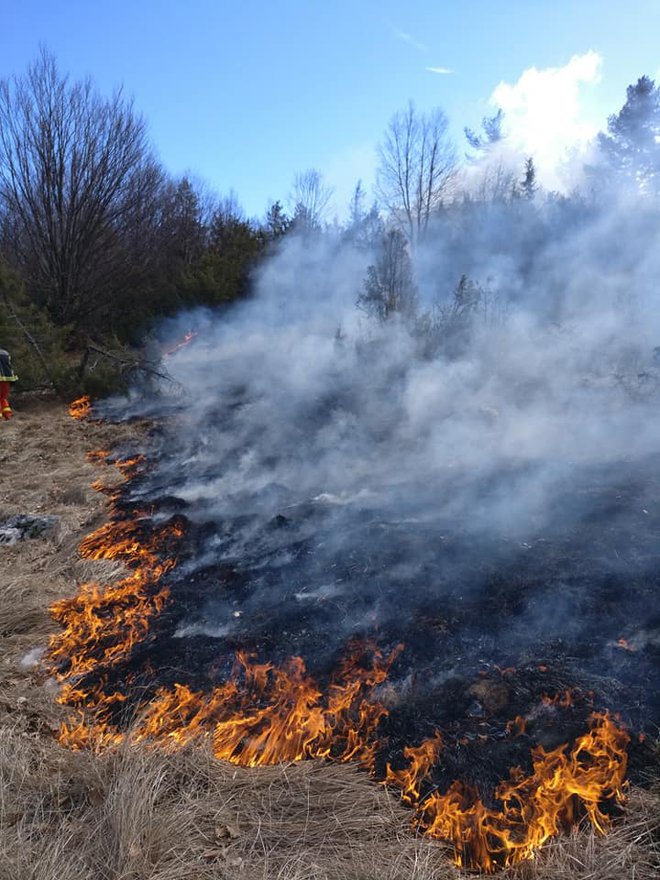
102 625
563 785
265 713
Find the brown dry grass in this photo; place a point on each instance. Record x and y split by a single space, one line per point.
140 814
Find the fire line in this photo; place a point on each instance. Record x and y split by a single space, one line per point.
265 713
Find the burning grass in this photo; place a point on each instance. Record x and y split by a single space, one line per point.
265 714
80 408
535 807
135 812
564 783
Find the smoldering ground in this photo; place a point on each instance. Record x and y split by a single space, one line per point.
490 498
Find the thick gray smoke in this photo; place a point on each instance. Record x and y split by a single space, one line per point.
353 457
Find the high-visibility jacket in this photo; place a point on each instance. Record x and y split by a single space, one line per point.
6 372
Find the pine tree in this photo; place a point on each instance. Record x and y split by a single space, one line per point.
528 183
277 222
389 288
632 146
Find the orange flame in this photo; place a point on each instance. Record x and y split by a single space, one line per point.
535 807
517 727
129 467
564 700
261 715
422 760
79 409
97 456
264 714
101 626
187 339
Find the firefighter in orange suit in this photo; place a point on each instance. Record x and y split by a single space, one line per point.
7 376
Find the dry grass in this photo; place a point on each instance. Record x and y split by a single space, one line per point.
630 850
141 814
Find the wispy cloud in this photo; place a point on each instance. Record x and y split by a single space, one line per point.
408 38
439 69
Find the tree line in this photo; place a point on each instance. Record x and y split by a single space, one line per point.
97 240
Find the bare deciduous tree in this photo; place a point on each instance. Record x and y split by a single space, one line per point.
310 199
417 163
74 167
492 180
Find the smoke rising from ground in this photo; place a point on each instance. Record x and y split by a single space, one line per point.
560 371
350 468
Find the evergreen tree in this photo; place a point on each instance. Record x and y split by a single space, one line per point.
491 127
389 288
223 272
528 184
632 146
277 222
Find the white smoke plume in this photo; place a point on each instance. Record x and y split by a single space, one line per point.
348 466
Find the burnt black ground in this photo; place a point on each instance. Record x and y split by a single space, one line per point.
490 623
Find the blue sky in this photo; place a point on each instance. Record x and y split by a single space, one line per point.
247 94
